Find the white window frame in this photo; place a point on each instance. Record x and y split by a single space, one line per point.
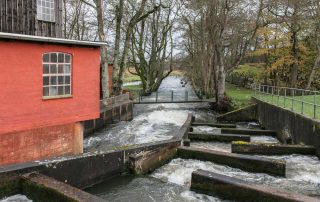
46 10
56 75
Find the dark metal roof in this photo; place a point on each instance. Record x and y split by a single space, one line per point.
22 37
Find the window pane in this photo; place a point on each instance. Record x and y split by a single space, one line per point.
46 81
60 90
67 69
53 57
61 58
46 69
60 80
45 91
67 90
46 57
68 58
60 69
53 80
67 80
53 69
53 90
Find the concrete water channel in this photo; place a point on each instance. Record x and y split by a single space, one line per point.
172 181
208 168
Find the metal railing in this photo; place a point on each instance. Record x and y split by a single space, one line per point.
167 97
305 102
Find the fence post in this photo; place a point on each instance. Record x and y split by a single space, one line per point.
314 105
272 91
139 96
156 96
186 96
292 103
171 96
278 96
302 102
285 97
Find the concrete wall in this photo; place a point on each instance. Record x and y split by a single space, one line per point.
289 125
120 112
41 143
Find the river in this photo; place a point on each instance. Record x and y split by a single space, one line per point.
171 182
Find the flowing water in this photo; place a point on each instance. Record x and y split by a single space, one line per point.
157 122
16 198
152 122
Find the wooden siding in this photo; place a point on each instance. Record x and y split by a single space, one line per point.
20 16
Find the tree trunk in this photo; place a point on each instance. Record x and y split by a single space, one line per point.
116 68
104 55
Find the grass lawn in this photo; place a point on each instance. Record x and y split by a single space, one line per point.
240 96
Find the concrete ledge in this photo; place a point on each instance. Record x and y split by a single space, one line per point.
271 149
235 189
147 161
248 132
10 184
218 137
244 162
245 114
216 125
42 188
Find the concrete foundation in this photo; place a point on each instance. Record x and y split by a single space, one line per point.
271 149
244 162
290 126
245 114
218 137
216 125
248 132
147 161
235 189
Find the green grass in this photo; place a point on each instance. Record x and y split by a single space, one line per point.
254 68
240 96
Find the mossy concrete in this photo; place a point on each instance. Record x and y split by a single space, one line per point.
10 184
244 162
226 187
42 188
245 114
271 149
248 132
217 137
147 161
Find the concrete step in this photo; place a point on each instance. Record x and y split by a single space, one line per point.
210 137
239 190
248 131
216 125
271 149
244 162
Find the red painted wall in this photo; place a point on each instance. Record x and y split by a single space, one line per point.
21 103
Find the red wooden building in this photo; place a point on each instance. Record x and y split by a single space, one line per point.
48 86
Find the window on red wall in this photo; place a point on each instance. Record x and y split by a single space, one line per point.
57 80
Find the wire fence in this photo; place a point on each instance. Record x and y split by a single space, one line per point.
305 102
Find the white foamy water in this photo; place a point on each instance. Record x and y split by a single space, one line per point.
206 129
217 146
300 171
151 122
16 198
264 139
